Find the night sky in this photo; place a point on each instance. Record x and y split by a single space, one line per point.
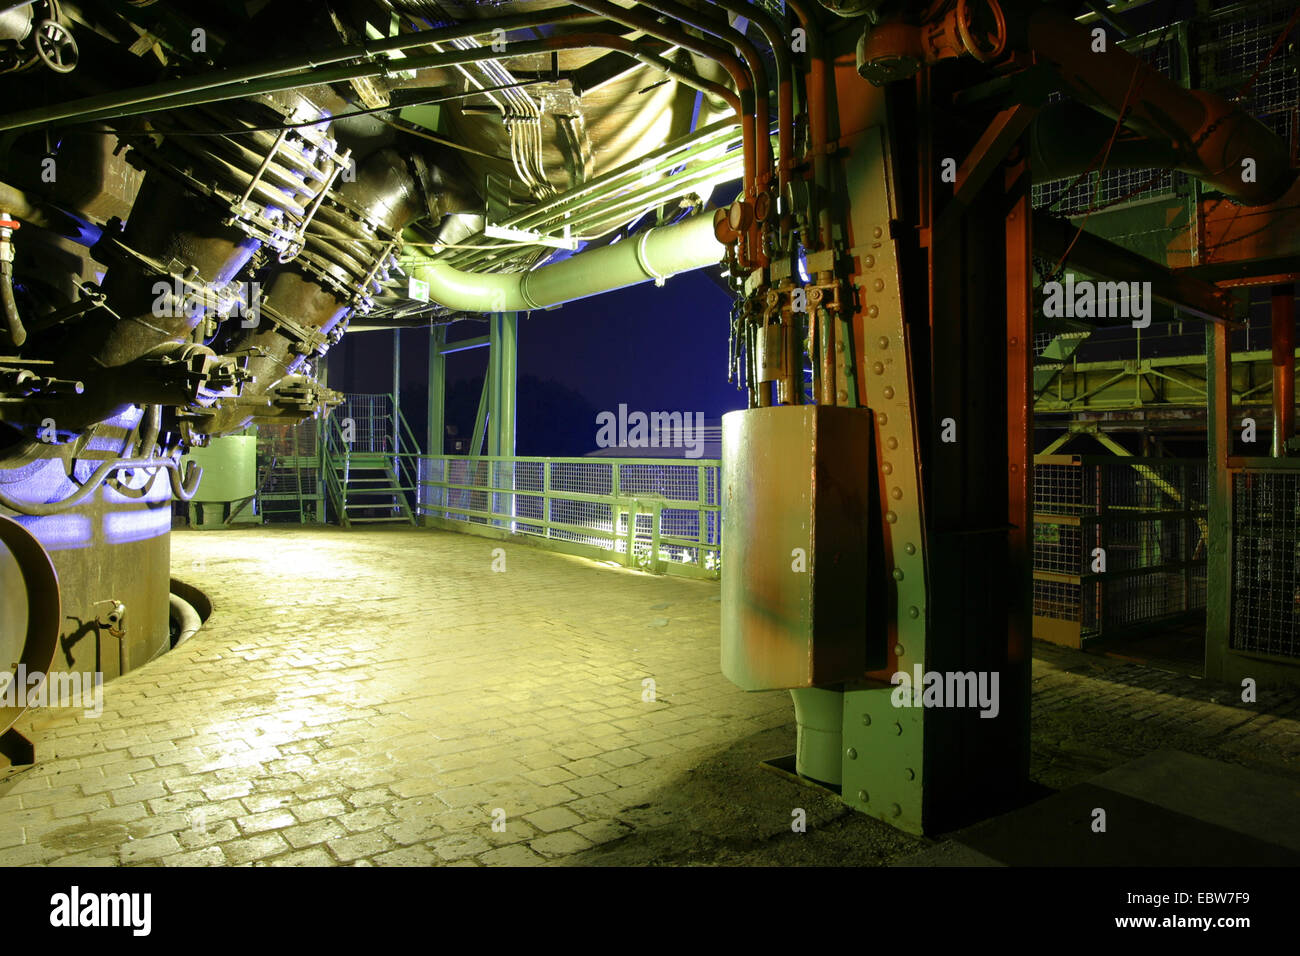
654 349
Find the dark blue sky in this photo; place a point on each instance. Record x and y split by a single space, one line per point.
650 348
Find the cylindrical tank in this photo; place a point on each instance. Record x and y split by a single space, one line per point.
229 475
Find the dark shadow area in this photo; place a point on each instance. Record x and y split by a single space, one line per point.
726 810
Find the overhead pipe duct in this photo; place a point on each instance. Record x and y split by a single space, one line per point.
234 83
1217 142
757 154
654 254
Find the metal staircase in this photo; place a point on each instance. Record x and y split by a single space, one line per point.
367 473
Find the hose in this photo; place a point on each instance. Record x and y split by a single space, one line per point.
17 334
188 620
183 490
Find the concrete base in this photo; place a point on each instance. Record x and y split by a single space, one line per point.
1165 809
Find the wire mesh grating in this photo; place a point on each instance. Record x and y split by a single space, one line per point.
654 509
1118 542
1266 563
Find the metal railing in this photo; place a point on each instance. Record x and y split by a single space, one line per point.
655 514
289 469
1119 544
368 433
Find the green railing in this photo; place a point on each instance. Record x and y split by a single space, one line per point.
368 432
660 515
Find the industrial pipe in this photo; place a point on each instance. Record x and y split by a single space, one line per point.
1283 322
187 619
13 321
762 103
1224 145
758 71
147 98
654 254
744 85
816 92
776 39
183 490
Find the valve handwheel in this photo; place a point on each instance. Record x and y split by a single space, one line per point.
56 46
996 36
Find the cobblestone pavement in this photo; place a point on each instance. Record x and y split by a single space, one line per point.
384 697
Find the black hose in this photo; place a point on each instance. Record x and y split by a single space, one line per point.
17 334
183 489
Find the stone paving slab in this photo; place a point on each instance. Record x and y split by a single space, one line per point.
383 697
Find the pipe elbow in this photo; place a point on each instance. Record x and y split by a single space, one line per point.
474 292
1239 154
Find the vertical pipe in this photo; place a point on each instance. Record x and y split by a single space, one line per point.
826 327
397 391
437 390
1283 321
816 91
507 340
1019 336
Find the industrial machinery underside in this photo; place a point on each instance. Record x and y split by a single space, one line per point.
199 199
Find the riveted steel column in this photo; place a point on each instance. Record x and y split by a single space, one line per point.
437 390
883 746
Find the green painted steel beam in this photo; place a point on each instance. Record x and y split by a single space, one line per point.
437 399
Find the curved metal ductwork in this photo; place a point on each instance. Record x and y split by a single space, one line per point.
1197 132
654 254
345 257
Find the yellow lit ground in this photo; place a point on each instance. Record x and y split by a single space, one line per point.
381 696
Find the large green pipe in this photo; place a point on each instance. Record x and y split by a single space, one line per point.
608 215
654 254
598 189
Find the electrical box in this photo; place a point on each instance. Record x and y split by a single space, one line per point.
796 505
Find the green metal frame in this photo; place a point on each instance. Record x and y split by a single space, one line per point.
620 539
339 461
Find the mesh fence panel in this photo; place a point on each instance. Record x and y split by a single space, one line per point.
589 503
1146 516
1229 52
372 421
1266 563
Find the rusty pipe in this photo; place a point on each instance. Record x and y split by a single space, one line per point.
751 59
762 102
1213 137
732 64
1283 329
817 93
776 39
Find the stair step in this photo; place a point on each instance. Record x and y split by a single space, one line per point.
378 520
